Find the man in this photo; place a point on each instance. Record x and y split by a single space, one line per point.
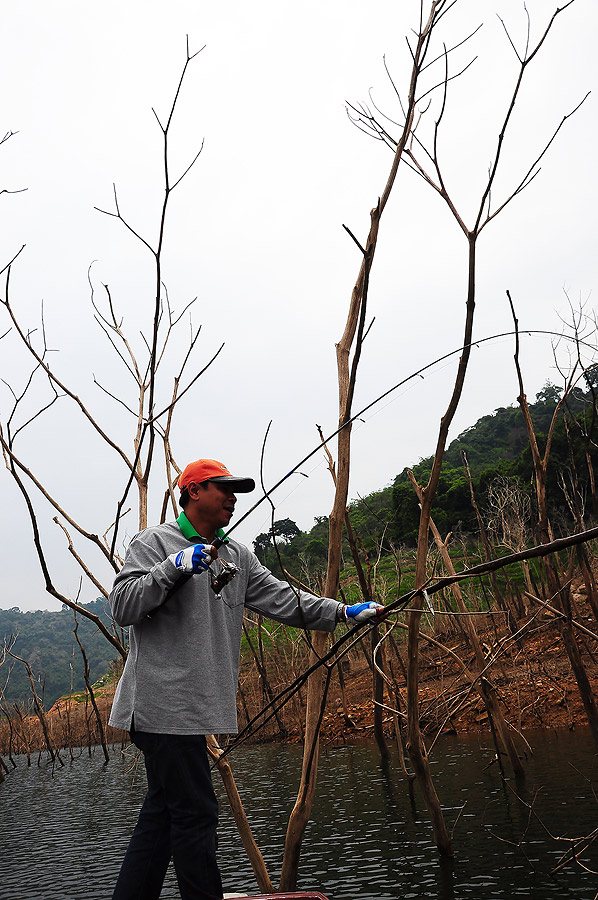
180 679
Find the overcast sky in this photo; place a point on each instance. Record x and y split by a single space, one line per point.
255 233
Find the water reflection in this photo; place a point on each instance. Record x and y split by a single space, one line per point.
64 832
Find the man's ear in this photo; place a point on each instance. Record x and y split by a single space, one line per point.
203 485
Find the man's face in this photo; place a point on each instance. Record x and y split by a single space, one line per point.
214 503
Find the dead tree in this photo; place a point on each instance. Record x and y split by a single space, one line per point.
347 371
575 502
90 691
8 749
509 518
502 603
151 410
484 685
251 848
151 407
367 595
54 752
558 587
584 329
426 163
153 397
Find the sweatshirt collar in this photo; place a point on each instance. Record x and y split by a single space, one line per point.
190 533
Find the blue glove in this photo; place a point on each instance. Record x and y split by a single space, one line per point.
193 560
362 612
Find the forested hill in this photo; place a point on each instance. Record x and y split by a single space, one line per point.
502 436
496 446
46 640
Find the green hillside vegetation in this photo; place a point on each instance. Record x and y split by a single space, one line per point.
46 640
496 445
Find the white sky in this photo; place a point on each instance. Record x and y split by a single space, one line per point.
255 233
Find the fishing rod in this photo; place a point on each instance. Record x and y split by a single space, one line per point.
331 657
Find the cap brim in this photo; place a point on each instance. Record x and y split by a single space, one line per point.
242 485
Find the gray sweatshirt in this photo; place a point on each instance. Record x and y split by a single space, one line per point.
181 673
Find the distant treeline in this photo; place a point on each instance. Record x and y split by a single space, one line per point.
496 445
46 640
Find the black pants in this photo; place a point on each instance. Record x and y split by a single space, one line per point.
178 819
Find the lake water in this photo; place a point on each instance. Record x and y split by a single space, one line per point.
64 832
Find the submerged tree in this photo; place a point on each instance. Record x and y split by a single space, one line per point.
425 161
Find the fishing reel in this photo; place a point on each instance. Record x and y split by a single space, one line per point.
225 575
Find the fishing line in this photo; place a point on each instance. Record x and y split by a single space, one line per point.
358 424
418 373
408 389
268 519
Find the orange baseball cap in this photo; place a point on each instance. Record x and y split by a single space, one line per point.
212 470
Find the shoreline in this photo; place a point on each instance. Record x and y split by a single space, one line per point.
532 678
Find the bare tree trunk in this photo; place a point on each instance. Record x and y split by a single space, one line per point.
346 384
484 686
496 593
558 592
575 506
349 723
263 676
251 848
378 692
574 654
365 588
91 693
416 747
399 705
5 710
39 709
25 735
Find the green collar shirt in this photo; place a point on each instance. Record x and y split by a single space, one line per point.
191 534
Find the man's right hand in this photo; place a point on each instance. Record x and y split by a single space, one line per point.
363 612
195 559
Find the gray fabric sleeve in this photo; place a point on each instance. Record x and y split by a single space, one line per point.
143 583
276 599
